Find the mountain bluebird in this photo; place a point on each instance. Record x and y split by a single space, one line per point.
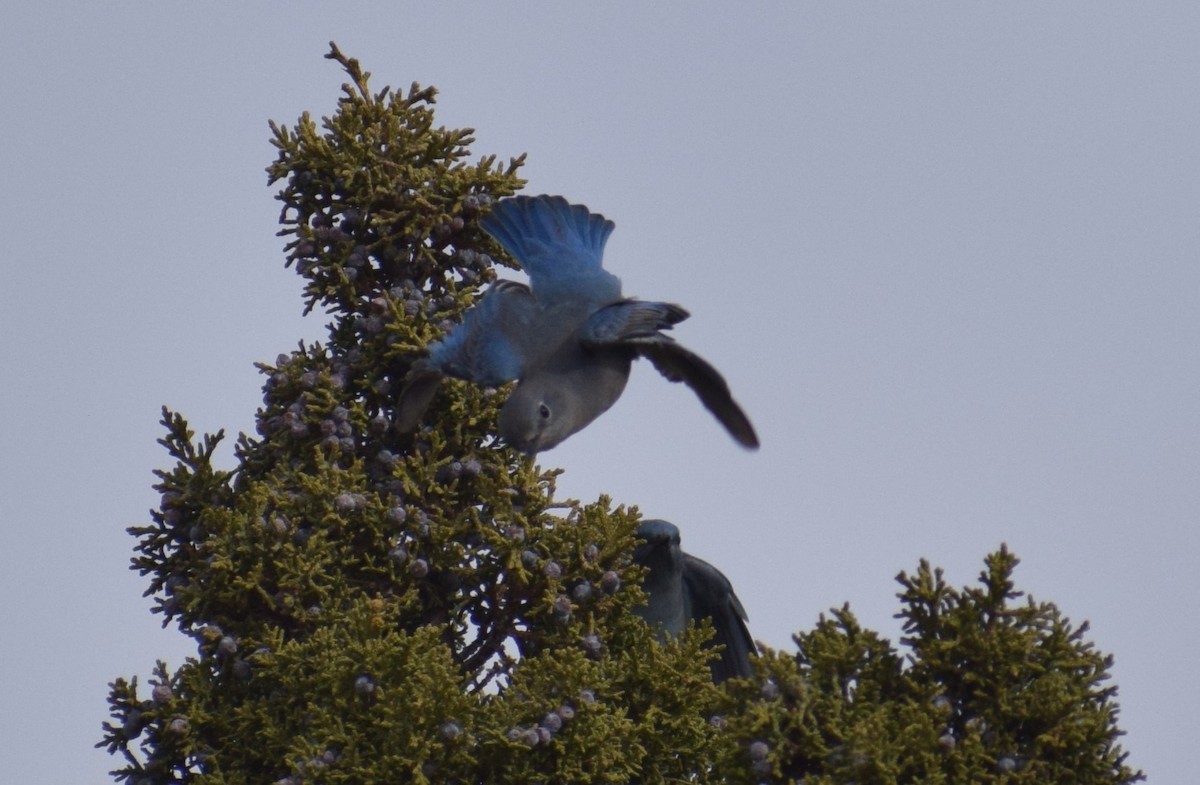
569 337
682 588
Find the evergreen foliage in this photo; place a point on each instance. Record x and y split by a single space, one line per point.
372 606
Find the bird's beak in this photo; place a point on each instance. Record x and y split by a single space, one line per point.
526 447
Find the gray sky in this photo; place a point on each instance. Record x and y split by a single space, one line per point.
946 255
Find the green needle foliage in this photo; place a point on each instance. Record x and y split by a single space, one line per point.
990 690
372 606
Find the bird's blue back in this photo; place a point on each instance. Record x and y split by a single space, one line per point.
558 244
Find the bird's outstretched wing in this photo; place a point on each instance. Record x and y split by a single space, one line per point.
712 595
636 324
560 246
682 365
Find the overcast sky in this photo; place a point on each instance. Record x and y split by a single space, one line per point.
946 255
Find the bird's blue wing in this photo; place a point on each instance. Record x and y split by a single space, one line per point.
490 346
560 245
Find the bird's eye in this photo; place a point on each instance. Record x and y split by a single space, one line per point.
544 411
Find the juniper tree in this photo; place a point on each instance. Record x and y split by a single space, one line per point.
376 606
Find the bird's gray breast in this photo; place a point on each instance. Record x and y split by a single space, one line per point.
667 604
596 376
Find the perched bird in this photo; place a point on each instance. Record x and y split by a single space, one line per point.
569 337
682 588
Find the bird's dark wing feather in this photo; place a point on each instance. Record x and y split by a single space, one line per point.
681 365
712 596
626 320
420 386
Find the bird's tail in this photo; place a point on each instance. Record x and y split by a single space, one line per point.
537 228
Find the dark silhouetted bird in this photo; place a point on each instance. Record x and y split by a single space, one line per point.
682 588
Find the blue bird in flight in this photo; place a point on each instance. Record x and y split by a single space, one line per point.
569 338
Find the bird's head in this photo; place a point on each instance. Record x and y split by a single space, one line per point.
539 416
658 545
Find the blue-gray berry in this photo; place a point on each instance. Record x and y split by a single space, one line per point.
364 685
227 647
131 728
448 473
